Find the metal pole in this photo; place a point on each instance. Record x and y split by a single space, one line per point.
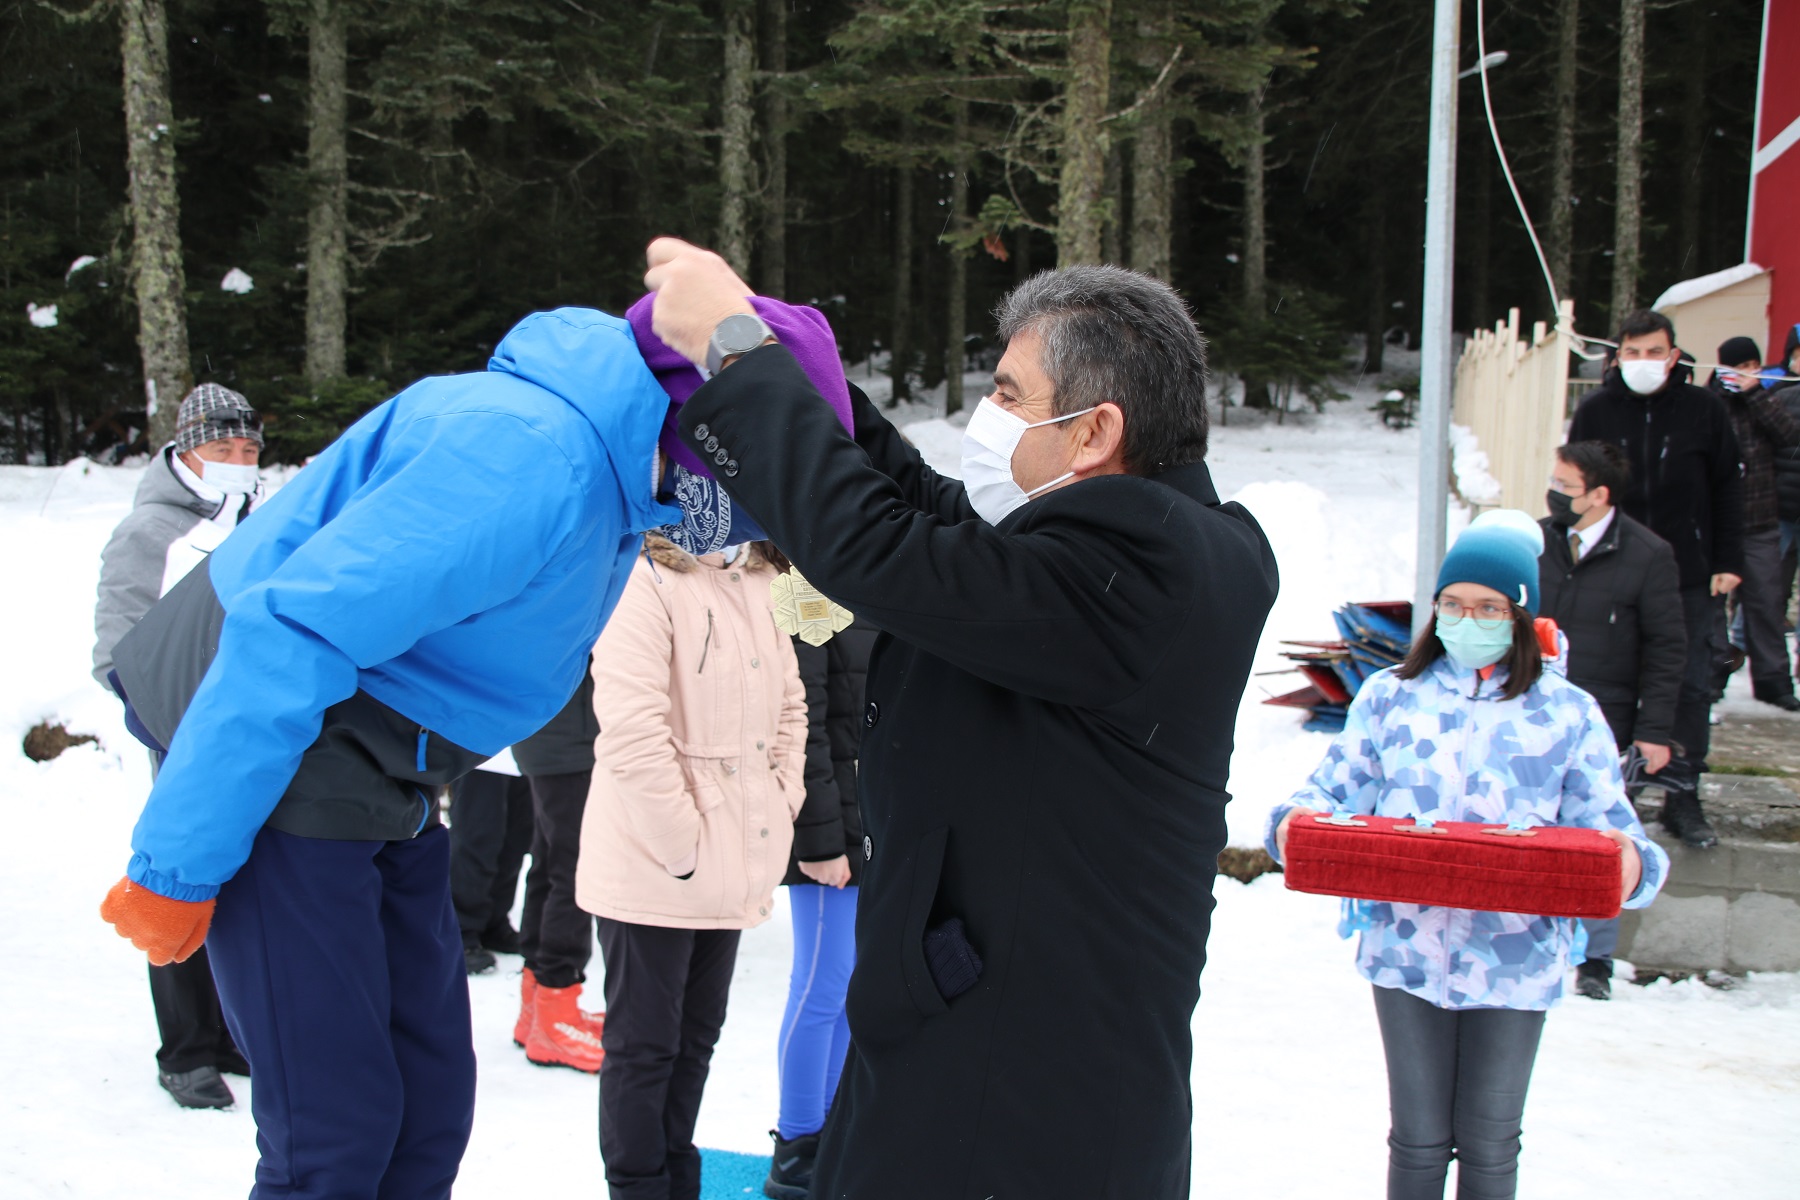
1435 366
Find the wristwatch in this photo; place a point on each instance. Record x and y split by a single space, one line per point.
737 334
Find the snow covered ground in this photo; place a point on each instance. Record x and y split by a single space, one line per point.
1671 1089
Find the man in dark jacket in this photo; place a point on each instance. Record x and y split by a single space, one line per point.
1047 736
1764 428
1780 378
1687 485
1612 587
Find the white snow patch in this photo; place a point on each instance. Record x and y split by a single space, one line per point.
1469 463
265 97
236 281
1705 285
41 316
86 260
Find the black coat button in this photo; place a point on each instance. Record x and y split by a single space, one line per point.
700 431
721 457
731 469
868 847
871 714
712 443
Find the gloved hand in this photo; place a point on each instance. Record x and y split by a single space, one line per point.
167 930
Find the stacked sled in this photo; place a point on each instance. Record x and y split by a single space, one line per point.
1372 636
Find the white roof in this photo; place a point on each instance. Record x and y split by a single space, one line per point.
1689 290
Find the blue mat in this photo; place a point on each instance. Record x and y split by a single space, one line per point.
725 1175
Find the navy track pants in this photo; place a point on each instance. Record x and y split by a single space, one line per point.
340 968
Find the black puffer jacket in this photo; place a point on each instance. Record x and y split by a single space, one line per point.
1687 481
1764 428
1787 462
829 823
1621 610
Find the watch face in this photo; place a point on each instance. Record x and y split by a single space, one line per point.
740 334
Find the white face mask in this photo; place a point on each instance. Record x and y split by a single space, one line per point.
987 452
234 479
1644 375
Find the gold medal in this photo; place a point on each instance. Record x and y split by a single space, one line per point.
805 612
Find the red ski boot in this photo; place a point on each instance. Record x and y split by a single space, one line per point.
560 1034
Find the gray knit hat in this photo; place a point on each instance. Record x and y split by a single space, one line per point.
211 412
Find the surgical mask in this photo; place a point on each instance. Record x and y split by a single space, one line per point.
1472 645
709 520
234 479
1644 375
987 453
1562 509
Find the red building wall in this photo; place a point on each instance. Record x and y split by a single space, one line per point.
1775 190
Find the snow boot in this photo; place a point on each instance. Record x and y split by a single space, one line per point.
791 1167
1682 817
527 1008
1593 979
560 1036
202 1087
477 961
501 938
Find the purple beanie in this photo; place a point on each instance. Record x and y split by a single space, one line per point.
804 331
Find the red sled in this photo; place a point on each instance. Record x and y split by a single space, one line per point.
1546 871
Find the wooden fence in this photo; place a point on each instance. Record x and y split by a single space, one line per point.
1513 396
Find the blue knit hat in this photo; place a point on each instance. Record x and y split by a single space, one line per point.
1500 550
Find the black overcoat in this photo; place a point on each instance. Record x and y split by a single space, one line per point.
830 823
1047 742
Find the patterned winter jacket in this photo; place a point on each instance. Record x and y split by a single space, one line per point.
1445 748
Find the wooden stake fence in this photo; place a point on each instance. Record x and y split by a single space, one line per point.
1513 396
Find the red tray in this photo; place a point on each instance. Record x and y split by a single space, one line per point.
1549 870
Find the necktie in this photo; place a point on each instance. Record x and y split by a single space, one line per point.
1574 546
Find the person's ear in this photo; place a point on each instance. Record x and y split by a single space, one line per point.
1605 496
1102 440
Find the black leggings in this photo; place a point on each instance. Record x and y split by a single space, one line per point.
1456 1088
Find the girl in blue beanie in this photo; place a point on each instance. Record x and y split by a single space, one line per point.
1471 727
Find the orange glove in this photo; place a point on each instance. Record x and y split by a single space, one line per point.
167 930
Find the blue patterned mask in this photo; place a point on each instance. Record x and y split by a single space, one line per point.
709 520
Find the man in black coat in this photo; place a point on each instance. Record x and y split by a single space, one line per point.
1687 485
1047 737
1611 585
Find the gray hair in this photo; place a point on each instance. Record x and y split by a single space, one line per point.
1115 335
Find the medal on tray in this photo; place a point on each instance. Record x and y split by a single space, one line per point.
805 612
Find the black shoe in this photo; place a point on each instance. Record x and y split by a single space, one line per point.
1682 817
201 1087
791 1169
501 939
1593 979
477 961
232 1063
1785 702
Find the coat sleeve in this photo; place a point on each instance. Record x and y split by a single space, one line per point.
1773 418
1593 796
819 829
131 577
1725 477
893 456
1349 778
632 688
1662 648
1072 605
792 737
442 530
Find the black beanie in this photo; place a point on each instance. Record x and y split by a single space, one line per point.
1733 351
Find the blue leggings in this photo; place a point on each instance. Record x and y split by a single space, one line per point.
815 1034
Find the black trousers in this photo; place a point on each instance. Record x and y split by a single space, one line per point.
188 1017
1762 601
555 934
1693 708
665 1004
1456 1087
490 830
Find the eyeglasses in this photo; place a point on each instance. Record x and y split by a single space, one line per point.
1567 489
1487 614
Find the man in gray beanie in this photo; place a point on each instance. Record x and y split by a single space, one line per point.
194 493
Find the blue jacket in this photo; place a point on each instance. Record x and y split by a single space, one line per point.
454 554
1444 747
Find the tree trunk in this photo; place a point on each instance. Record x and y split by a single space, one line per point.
1256 242
1628 213
737 129
1375 310
156 266
1694 113
328 177
1152 156
956 311
1112 233
1080 204
775 128
1561 250
900 351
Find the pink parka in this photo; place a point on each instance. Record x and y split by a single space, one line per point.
702 747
